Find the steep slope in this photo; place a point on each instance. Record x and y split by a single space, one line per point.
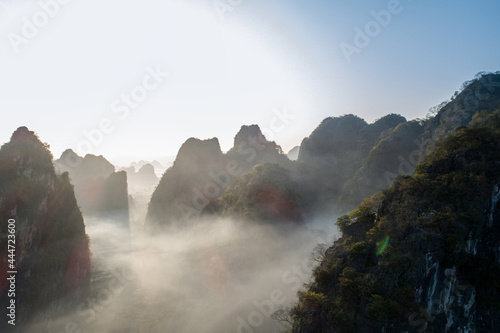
146 175
477 95
190 186
345 160
293 154
201 174
100 191
142 180
113 199
330 156
397 152
251 148
265 195
420 256
51 247
83 169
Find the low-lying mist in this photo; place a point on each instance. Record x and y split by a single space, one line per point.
218 276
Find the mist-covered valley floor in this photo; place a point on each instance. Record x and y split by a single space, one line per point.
218 276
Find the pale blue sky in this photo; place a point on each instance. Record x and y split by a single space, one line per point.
69 76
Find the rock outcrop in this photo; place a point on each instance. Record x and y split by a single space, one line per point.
201 173
100 191
190 187
142 180
51 254
420 256
332 154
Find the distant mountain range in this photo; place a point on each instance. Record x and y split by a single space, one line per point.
422 255
343 161
100 191
417 200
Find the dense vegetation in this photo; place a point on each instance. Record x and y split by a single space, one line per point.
267 194
345 160
194 186
378 274
420 255
331 155
52 249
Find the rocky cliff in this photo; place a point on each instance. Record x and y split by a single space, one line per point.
51 254
190 187
477 95
423 255
332 154
142 180
195 183
100 191
265 195
251 148
344 159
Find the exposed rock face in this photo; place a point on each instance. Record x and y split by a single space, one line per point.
423 255
52 250
100 191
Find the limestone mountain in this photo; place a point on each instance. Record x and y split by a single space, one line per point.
399 151
83 169
265 195
143 179
51 248
201 173
113 199
141 163
251 148
396 152
333 153
477 95
422 255
100 191
345 159
190 186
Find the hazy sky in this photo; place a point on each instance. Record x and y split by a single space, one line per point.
229 63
